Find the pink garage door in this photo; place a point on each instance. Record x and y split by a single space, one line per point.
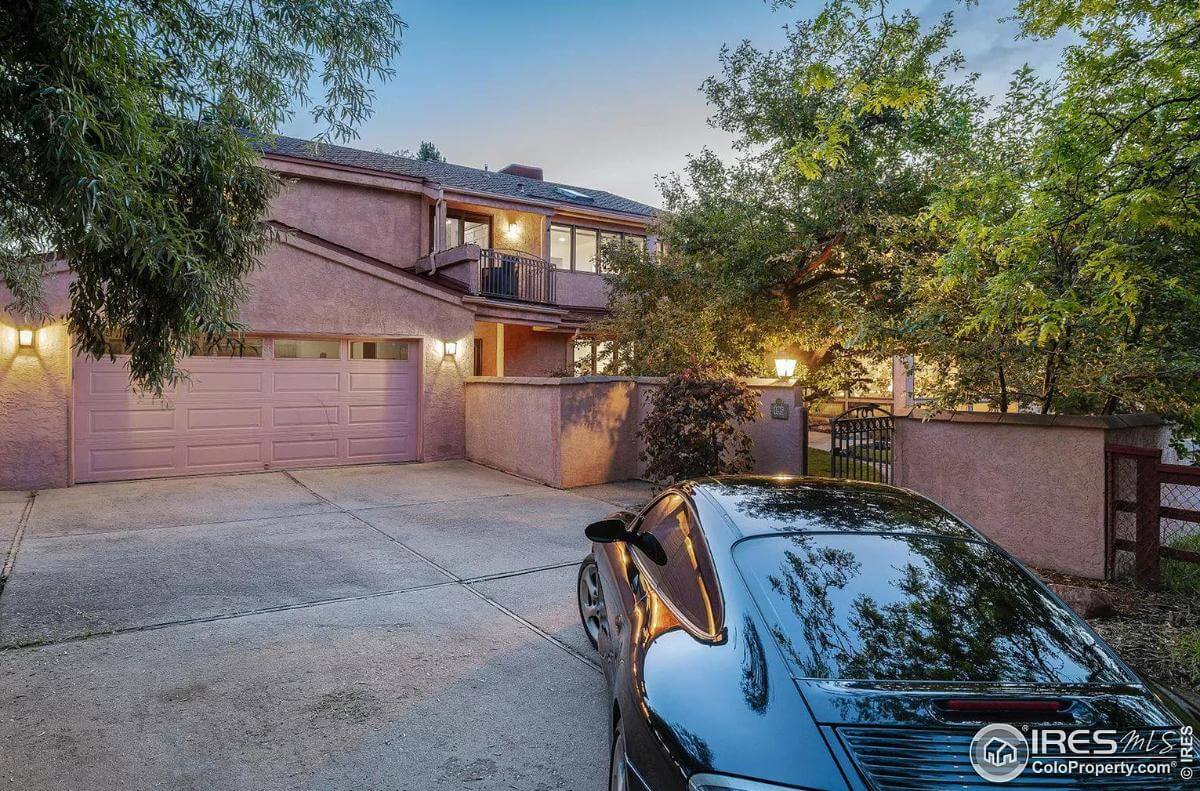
288 402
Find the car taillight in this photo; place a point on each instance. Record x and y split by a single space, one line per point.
1002 706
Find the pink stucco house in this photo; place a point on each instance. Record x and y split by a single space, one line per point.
395 279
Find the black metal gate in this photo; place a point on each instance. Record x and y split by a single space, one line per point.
861 444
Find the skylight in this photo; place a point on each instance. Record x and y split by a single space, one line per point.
575 195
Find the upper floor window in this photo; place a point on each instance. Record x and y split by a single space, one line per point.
581 249
464 228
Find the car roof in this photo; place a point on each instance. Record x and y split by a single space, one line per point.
760 505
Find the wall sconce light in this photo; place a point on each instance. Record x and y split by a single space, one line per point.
25 337
512 232
450 348
785 367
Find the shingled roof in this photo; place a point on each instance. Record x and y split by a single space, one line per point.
473 179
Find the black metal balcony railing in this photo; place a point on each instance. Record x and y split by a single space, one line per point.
510 275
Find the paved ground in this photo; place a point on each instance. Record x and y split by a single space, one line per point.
391 626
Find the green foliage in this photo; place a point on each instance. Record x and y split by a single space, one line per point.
127 148
428 152
844 134
694 427
1182 576
1043 254
1067 277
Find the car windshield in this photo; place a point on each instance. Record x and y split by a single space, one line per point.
914 608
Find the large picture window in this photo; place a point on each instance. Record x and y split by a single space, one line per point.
581 249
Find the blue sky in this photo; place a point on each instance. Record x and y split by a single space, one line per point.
602 94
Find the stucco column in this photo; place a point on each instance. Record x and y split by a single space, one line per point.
499 349
902 384
439 224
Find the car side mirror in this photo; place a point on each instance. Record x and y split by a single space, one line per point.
606 531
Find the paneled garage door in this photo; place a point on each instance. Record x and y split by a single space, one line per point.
268 403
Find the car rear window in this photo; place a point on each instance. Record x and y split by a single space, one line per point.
914 608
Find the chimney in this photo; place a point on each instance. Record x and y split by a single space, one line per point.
528 171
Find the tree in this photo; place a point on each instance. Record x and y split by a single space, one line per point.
844 135
428 152
128 136
694 427
1070 278
1042 254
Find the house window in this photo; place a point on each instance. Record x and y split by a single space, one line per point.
227 346
580 249
114 343
585 357
378 350
464 228
585 250
307 349
560 246
599 357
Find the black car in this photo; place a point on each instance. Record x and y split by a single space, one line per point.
799 633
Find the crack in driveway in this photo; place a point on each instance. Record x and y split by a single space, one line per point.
465 583
10 557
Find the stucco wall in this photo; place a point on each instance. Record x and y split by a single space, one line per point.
1033 484
529 352
35 390
580 289
514 426
380 223
300 292
583 430
598 427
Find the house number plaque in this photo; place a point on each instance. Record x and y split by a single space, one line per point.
779 410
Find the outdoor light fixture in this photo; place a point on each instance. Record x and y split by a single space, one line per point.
451 348
25 337
785 367
513 231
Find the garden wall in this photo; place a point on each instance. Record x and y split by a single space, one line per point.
1032 483
583 430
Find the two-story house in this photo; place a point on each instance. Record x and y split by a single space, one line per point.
393 280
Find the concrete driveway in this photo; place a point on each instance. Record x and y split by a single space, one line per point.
390 626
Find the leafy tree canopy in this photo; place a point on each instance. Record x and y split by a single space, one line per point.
844 134
127 134
1041 253
426 152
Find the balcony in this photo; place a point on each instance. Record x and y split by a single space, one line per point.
509 274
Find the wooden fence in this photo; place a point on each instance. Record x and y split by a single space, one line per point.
1153 513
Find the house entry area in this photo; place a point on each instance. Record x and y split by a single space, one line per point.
254 404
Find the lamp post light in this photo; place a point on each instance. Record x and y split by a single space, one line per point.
785 367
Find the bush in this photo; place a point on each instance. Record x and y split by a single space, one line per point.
694 427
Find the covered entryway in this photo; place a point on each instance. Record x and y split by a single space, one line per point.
263 404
